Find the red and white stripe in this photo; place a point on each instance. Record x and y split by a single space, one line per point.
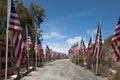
38 50
14 22
83 49
29 42
116 41
98 44
76 50
18 43
89 46
71 51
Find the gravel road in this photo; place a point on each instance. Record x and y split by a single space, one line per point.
60 70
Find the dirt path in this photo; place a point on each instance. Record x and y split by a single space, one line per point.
60 70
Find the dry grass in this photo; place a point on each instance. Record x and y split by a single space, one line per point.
106 63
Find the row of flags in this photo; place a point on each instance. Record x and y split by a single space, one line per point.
97 46
49 53
20 46
38 49
76 49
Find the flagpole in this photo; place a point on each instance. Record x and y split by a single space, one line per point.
36 44
98 46
97 60
75 59
92 43
27 45
84 61
78 58
7 33
70 58
28 57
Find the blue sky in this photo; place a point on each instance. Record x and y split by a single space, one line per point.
67 21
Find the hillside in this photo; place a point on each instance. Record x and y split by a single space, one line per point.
108 51
107 48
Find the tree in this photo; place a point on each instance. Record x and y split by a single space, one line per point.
3 19
28 16
38 15
37 12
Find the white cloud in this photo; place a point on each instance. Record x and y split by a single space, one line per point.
59 47
46 36
92 31
53 35
71 41
64 46
51 26
61 37
76 39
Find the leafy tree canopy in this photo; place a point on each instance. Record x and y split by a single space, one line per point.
30 16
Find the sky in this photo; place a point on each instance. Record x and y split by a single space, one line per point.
67 21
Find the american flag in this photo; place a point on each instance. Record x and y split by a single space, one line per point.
39 50
83 49
70 52
18 43
89 46
29 42
47 50
98 44
90 43
76 49
116 41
